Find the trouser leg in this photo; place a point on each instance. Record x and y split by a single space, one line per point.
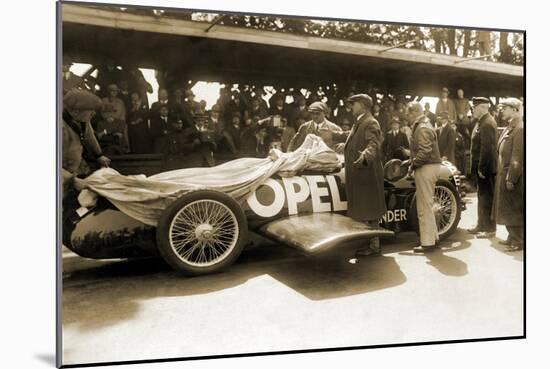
425 179
516 234
486 188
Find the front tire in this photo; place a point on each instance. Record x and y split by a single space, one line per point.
202 232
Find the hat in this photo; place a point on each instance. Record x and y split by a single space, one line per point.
81 100
445 89
480 100
112 87
512 102
108 108
362 98
443 115
278 96
395 120
318 107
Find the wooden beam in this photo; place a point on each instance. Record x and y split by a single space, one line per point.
114 19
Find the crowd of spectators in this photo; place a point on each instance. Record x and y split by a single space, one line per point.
248 121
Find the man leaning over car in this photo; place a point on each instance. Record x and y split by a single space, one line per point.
78 138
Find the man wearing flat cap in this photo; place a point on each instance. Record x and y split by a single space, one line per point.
364 172
508 205
78 140
484 165
425 162
319 125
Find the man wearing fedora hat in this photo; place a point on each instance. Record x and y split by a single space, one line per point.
364 172
484 165
319 125
508 205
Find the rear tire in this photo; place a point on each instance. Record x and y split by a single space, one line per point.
202 232
446 206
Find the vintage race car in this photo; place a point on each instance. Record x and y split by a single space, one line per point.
205 231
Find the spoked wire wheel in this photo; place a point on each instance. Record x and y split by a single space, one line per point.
204 233
445 209
201 232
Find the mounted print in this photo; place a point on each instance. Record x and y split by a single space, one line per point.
238 184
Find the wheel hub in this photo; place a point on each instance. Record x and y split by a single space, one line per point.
204 232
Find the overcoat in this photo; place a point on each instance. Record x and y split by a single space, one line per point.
484 140
365 180
509 206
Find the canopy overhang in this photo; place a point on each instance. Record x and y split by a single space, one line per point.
197 51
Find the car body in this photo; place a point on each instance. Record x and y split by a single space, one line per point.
306 211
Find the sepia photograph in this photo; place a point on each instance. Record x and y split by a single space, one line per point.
236 184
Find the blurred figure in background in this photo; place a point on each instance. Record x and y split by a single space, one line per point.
396 143
115 102
447 138
446 104
138 126
112 132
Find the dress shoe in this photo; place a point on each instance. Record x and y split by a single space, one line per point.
474 230
486 234
513 247
423 249
367 252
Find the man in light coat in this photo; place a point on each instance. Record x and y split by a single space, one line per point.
425 162
319 126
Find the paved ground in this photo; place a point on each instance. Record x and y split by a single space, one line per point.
275 299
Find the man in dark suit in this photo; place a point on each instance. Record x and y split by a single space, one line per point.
447 138
364 172
138 125
162 101
484 165
396 143
160 127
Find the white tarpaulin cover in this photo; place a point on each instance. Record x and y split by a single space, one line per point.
144 198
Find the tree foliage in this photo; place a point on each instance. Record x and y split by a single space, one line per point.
495 46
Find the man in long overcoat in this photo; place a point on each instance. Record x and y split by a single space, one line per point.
364 172
508 205
484 165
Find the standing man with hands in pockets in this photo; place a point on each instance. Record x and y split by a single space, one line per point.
484 165
425 160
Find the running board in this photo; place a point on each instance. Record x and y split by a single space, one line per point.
318 232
